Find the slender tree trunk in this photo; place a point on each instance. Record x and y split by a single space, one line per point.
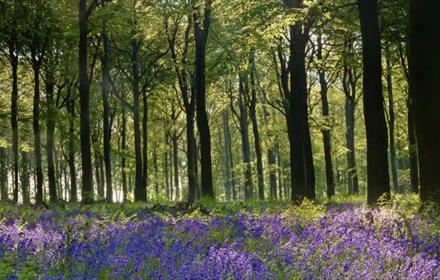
145 142
227 159
375 123
166 172
156 174
140 193
50 135
326 129
424 69
14 111
196 168
84 87
37 133
171 177
245 145
3 175
101 175
201 37
272 173
123 157
70 103
174 139
106 116
256 132
280 173
191 156
350 90
25 177
98 181
58 176
391 123
352 176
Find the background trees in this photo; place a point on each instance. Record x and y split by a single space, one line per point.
233 99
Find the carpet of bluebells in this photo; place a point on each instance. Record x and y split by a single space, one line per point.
339 241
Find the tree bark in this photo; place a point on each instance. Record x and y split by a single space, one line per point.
145 141
375 123
174 139
36 65
25 178
201 38
245 145
84 87
124 154
3 175
140 193
255 130
424 69
98 181
13 56
106 115
50 137
70 104
302 169
191 156
156 174
329 175
413 160
391 123
227 159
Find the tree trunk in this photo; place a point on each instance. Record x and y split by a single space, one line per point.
245 145
329 175
156 174
98 181
191 156
106 116
36 128
145 143
424 68
174 139
124 154
413 160
70 103
391 123
50 135
166 171
375 124
13 54
352 176
101 175
256 132
302 169
3 175
201 38
140 193
350 90
25 178
272 173
227 160
280 172
84 87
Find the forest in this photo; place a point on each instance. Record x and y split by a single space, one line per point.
214 139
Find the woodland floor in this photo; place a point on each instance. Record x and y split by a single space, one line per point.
343 239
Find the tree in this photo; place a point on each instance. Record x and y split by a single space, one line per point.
201 31
375 124
84 88
424 70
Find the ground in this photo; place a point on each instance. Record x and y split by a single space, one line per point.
340 239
